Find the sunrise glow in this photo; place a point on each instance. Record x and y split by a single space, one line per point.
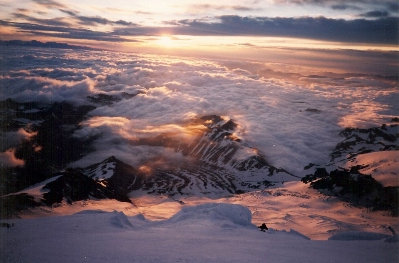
199 131
165 41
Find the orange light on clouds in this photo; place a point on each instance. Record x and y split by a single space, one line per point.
145 169
9 159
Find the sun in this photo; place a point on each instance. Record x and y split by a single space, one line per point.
165 41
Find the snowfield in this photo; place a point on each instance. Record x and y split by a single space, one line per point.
214 232
293 205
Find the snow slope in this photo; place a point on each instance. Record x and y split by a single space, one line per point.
37 190
383 165
290 206
204 233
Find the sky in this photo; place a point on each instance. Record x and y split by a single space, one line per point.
204 25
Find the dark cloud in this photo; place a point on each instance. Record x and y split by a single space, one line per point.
204 7
345 4
23 10
68 12
392 6
64 27
89 20
49 3
63 32
329 2
35 43
243 8
383 30
376 13
50 22
83 20
344 7
92 20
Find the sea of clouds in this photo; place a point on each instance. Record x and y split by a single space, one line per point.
292 117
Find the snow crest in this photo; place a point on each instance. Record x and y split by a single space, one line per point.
119 219
229 213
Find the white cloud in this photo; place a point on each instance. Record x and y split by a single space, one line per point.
269 106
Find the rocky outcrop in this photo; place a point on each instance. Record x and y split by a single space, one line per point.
358 141
356 188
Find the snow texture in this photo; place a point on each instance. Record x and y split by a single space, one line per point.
193 235
383 165
229 213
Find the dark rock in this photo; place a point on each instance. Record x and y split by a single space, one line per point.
355 188
263 227
103 99
57 123
307 167
73 186
12 204
360 141
313 110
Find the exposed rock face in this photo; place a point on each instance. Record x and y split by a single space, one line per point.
355 188
11 205
350 184
105 99
217 162
220 163
116 176
51 146
221 147
191 180
73 186
218 145
359 141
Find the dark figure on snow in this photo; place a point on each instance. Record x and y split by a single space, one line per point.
263 227
7 225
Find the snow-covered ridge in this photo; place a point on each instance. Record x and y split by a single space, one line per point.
382 165
219 145
221 164
359 141
205 233
362 170
100 173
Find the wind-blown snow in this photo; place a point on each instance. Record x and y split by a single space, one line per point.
198 234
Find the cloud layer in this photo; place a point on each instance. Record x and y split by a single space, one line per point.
292 120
